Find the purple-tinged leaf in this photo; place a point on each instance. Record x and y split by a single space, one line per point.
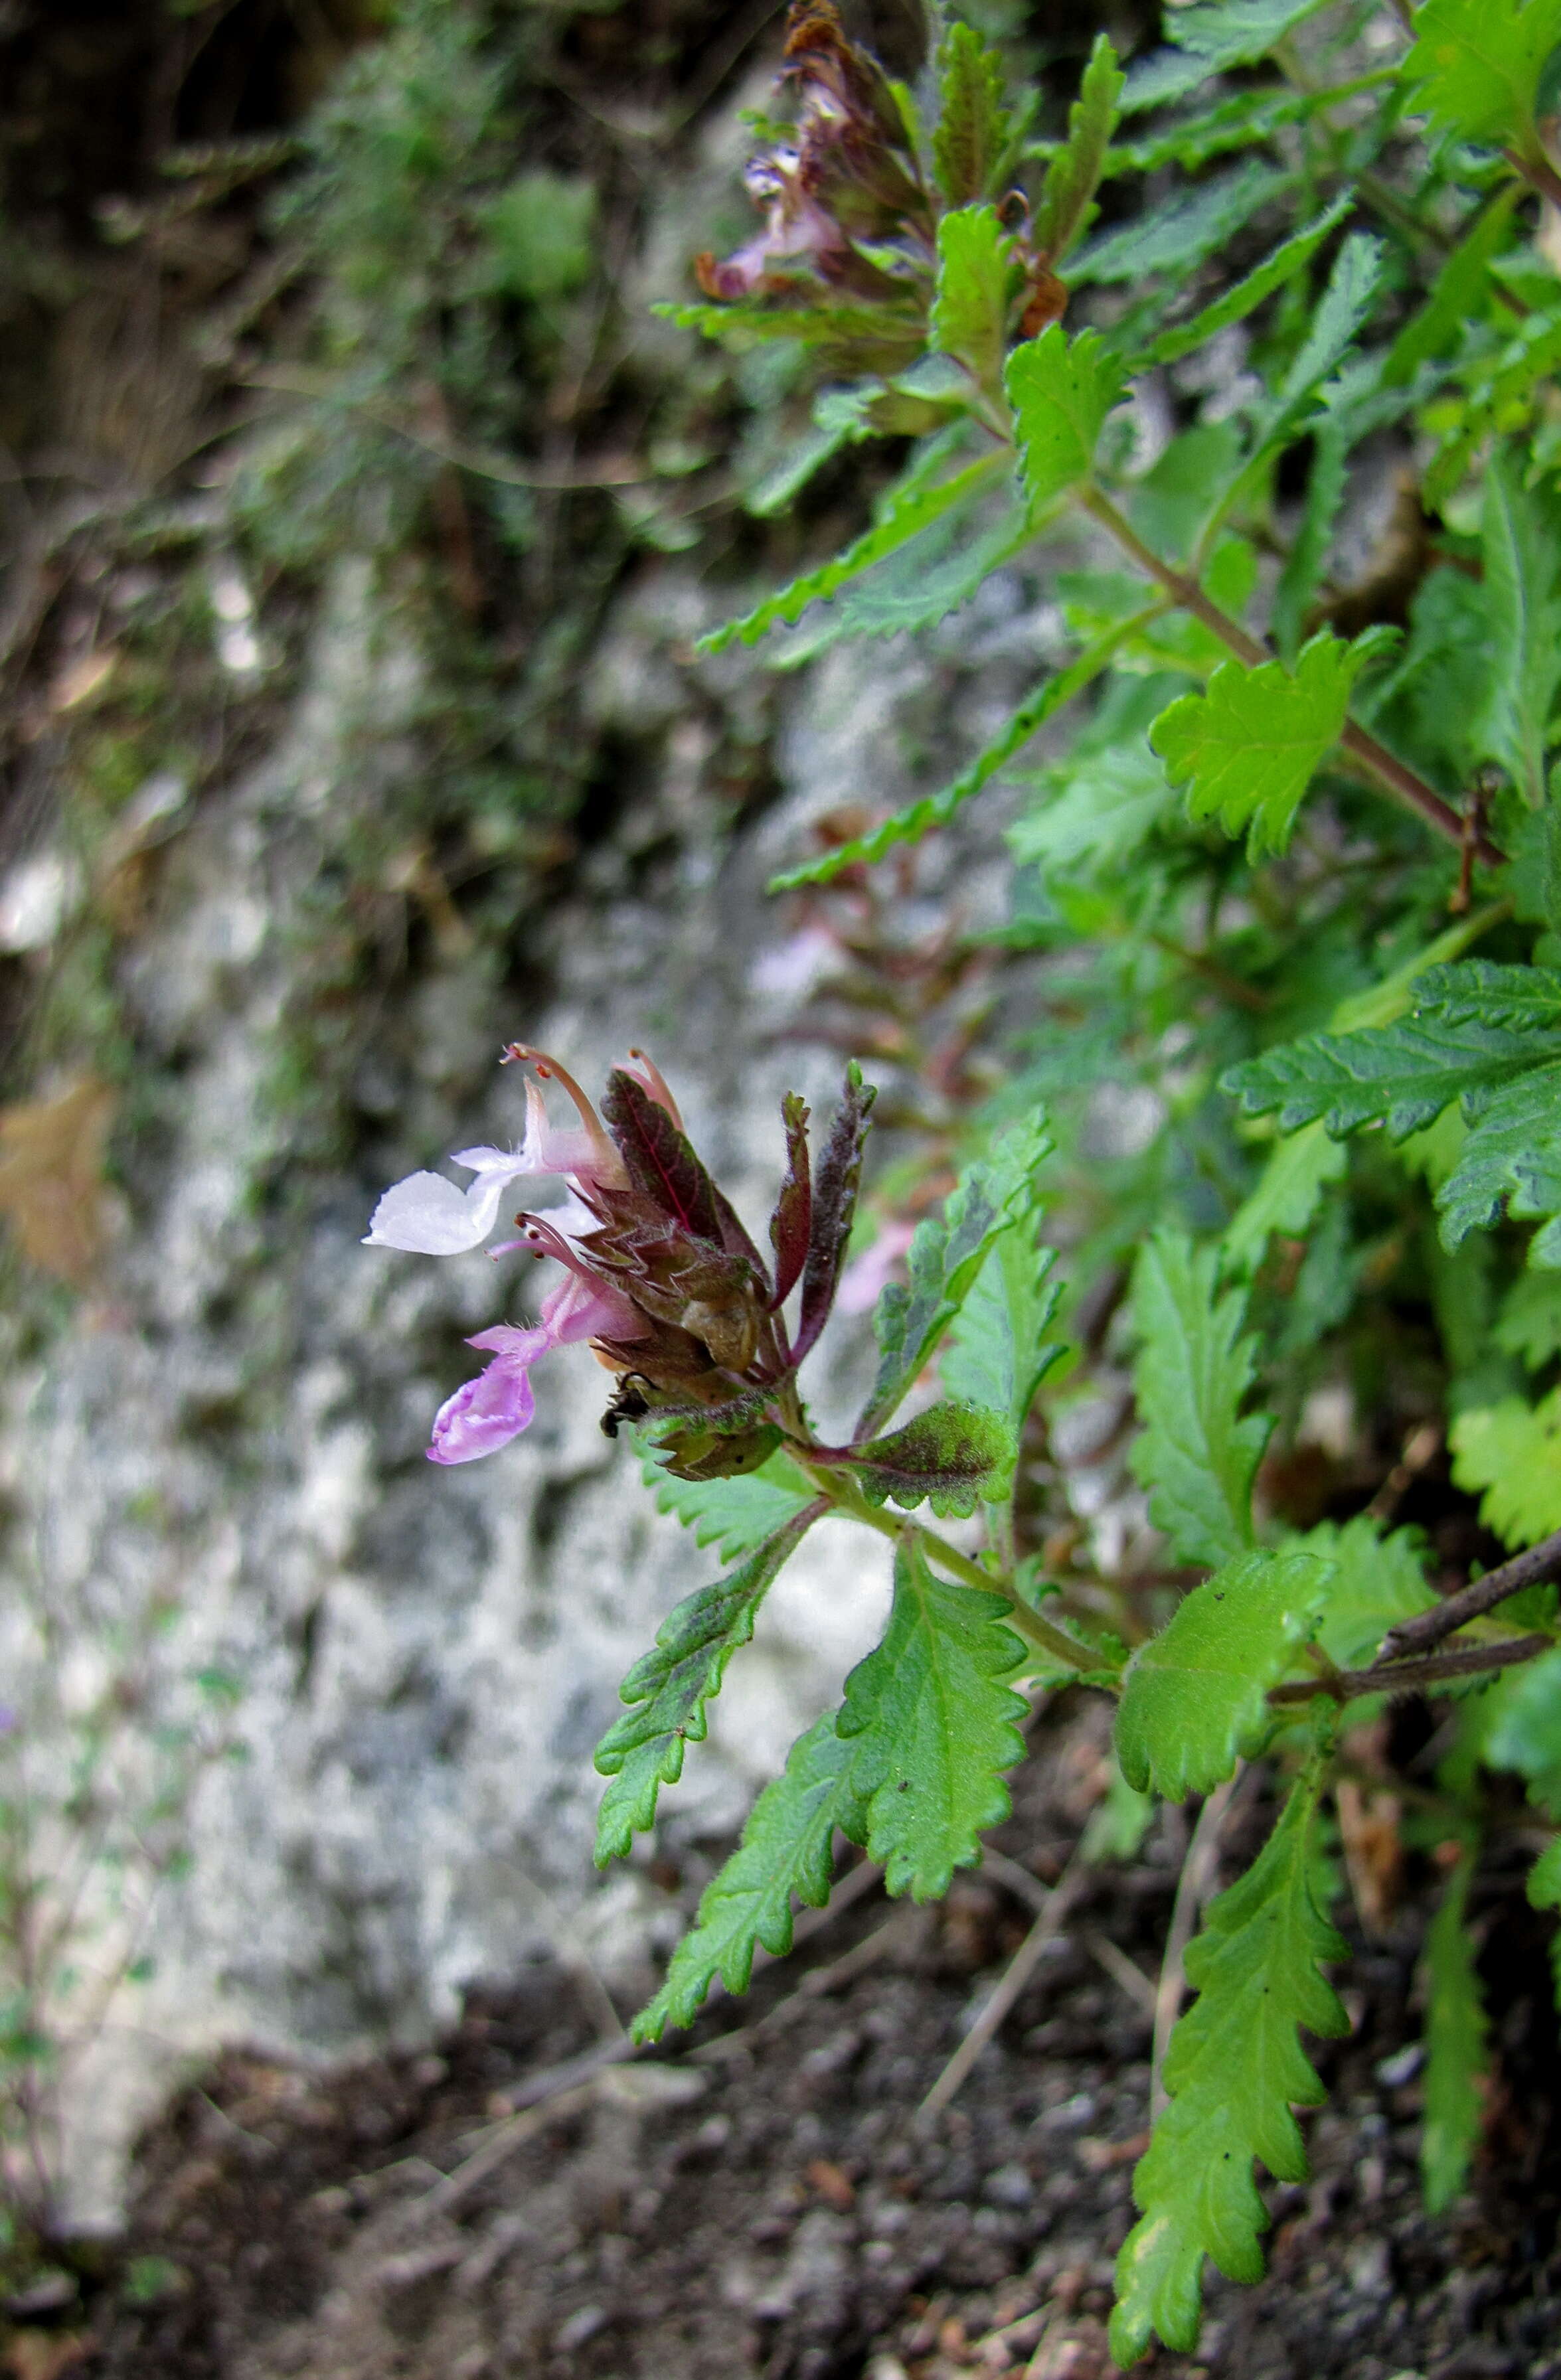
834 1205
791 1224
659 1158
702 1455
952 1456
734 1236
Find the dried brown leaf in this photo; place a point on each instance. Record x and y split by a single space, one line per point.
51 1188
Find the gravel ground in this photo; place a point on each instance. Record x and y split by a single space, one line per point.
766 2199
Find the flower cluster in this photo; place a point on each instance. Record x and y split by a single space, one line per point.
659 1275
852 196
845 206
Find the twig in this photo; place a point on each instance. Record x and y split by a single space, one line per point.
813 1985
1408 1677
510 2136
1140 1988
1020 1967
1192 1890
1538 172
1374 757
1530 1569
1015 1879
532 2089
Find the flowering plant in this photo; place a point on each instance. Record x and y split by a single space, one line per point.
1351 1179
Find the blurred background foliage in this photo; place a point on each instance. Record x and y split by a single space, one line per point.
284 282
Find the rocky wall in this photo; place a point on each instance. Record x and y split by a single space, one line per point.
220 1456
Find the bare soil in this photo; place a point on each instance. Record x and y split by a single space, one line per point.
762 2198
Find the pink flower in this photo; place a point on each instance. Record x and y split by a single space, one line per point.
426 1215
795 226
866 1275
486 1413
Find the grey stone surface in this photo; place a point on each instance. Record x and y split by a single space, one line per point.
220 1459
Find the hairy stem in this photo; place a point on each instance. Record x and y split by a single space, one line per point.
1040 1632
1409 1677
1534 1568
1538 172
1374 758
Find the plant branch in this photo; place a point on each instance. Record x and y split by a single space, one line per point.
1539 1563
1408 1677
1538 172
1056 1906
845 1497
1378 762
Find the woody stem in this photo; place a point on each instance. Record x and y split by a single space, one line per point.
1373 758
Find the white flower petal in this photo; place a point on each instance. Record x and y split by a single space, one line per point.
491 1160
427 1216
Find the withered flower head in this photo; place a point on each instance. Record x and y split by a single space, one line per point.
845 183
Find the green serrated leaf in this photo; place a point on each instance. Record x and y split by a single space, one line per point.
1488 1036
919 818
945 1256
998 1348
1195 1454
1455 2046
1065 206
905 512
813 326
1209 38
1100 809
1520 536
1509 1453
1455 295
1195 1697
787 1847
1523 1733
974 127
1544 1877
1400 1075
1353 288
1248 748
1376 1583
1291 257
975 276
1178 236
934 1727
1248 120
953 1457
1235 2069
1511 1158
1529 1324
918 584
1303 1165
1119 1823
669 1687
1061 393
735 1515
1476 64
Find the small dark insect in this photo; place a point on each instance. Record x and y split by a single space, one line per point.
628 1404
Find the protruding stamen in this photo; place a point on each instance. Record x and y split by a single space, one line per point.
607 1165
